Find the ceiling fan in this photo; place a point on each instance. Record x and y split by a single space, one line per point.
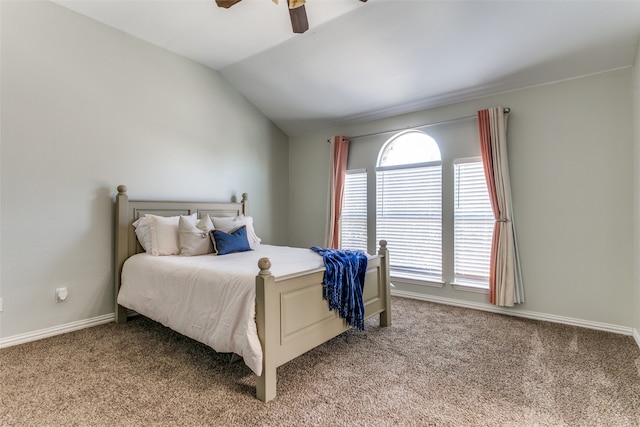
297 12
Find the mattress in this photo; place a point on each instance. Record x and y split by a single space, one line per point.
210 298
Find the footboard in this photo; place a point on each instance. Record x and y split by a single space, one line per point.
292 317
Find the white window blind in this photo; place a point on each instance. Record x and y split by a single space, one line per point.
409 218
473 224
353 223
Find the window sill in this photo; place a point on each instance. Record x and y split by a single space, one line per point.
421 282
470 288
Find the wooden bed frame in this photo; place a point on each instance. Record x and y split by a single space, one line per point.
291 315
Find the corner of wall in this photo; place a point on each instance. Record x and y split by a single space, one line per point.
636 195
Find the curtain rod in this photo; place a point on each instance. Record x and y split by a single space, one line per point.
457 119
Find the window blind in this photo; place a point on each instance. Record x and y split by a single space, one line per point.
409 218
353 223
473 224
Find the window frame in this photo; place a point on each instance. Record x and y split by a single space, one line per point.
457 282
404 274
352 172
455 141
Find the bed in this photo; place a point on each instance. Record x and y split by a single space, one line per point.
289 313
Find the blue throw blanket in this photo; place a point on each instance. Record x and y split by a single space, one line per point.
344 282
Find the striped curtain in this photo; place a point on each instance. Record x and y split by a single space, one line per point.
505 276
338 161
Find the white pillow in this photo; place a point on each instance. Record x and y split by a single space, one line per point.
143 232
164 235
158 235
230 223
194 235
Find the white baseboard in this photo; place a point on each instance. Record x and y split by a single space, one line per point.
95 321
522 313
56 330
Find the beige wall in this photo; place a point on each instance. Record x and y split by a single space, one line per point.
85 108
571 159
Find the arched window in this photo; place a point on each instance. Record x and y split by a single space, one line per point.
408 148
409 205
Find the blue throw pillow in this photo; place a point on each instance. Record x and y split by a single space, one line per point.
226 243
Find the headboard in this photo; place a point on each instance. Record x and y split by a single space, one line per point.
128 211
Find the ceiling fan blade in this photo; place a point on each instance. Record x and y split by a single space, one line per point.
226 3
298 17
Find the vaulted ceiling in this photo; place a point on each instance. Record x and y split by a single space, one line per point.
363 61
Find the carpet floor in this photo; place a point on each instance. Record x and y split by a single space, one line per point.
436 365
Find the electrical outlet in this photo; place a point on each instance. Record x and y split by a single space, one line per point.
61 294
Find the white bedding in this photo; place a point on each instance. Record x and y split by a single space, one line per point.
209 298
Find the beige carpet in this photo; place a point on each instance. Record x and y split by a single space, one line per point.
436 366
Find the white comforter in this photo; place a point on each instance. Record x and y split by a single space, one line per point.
209 298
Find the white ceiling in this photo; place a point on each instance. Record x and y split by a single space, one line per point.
363 61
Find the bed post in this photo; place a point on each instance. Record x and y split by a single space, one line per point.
122 247
268 323
385 316
245 204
